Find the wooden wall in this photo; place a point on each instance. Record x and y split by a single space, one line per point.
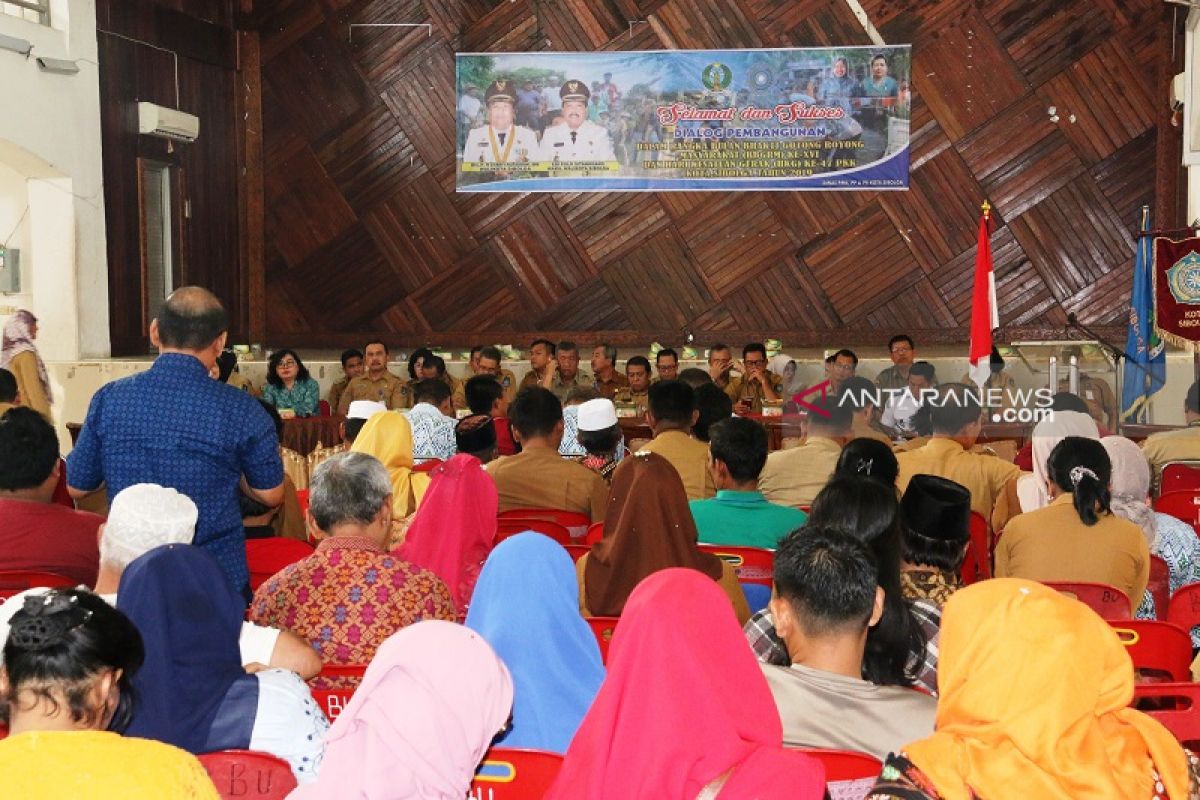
364 232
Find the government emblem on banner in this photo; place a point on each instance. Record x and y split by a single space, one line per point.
1184 280
717 76
1176 280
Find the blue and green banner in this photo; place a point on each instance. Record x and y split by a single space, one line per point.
822 118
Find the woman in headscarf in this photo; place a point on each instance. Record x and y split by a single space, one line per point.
527 608
388 436
1171 539
684 711
785 367
452 533
648 527
429 705
1057 727
1031 489
192 691
19 355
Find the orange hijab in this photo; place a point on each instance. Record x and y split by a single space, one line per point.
1034 693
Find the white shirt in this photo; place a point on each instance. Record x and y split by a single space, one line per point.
899 412
289 723
479 146
591 143
432 433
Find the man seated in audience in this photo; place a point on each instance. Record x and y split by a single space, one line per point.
489 364
671 415
360 411
377 383
637 370
720 364
542 364
608 380
712 406
937 532
1180 445
841 369
694 377
352 367
350 594
902 352
35 532
485 397
476 436
473 362
666 361
568 376
10 395
145 516
860 395
432 421
739 514
598 434
175 426
756 384
793 477
538 477
827 597
956 415
901 407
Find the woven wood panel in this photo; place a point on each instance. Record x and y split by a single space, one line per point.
366 234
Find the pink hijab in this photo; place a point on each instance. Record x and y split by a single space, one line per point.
433 698
453 530
18 338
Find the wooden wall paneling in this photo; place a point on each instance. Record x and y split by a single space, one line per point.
918 306
610 224
730 254
542 257
424 104
1045 38
780 299
812 23
419 231
580 24
386 54
304 208
591 307
476 289
1122 179
657 284
509 27
283 23
370 159
703 24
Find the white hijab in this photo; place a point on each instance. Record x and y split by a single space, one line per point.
1131 484
1031 489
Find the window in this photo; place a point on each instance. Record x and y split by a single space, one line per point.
29 10
158 234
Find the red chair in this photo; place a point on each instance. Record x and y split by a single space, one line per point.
1179 476
577 551
508 773
1184 608
333 701
323 409
576 523
302 499
1175 705
595 533
977 565
428 466
1184 505
511 527
1157 646
13 581
755 568
265 557
246 774
1159 586
603 628
849 774
1107 601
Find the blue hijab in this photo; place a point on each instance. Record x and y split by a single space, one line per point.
192 691
526 606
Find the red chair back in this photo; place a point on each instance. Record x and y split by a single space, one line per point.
1159 586
1157 646
511 527
849 774
428 466
1184 505
595 533
302 500
753 564
244 774
1184 608
603 628
1175 705
977 566
1107 601
267 556
577 551
323 409
508 773
1179 476
13 581
576 523
332 701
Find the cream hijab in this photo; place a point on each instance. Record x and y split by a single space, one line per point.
1031 489
388 436
1131 484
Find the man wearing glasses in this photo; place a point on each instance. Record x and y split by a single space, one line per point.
842 369
756 383
901 349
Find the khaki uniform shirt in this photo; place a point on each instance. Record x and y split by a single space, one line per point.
793 477
1180 445
689 457
563 388
1053 544
984 476
507 380
861 429
335 393
609 388
387 389
891 378
1098 395
29 383
738 388
541 478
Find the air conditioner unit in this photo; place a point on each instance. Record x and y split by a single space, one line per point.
155 120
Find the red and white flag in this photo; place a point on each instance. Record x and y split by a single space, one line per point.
985 316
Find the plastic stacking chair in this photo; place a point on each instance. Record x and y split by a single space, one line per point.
595 533
333 701
1183 505
849 775
575 523
755 568
1175 705
1179 476
1157 647
603 628
577 551
1107 601
508 773
248 775
1159 586
13 581
977 566
265 557
511 527
429 465
1184 608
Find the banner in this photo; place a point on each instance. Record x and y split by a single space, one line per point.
1146 367
1177 290
822 118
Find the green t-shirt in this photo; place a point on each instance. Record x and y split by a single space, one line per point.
744 519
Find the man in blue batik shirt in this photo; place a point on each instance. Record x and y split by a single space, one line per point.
175 426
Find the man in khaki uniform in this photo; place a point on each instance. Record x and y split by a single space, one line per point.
671 415
538 477
567 375
352 366
488 364
637 371
756 383
542 364
957 420
608 380
795 476
902 352
1180 445
377 383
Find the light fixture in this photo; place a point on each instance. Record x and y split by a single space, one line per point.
59 66
19 46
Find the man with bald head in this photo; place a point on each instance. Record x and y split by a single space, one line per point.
175 426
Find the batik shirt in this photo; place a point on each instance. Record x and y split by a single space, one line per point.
432 432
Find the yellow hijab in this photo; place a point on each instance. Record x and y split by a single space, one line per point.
388 436
1034 692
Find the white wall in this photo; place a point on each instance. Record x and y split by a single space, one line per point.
50 135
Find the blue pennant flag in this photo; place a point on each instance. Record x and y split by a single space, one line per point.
1146 369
